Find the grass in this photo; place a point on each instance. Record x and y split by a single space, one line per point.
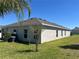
58 49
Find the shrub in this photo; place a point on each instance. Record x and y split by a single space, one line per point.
6 36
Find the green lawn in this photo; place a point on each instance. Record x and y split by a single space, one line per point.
58 49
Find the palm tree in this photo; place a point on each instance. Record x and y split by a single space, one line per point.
15 6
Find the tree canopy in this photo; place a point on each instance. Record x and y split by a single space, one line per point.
15 6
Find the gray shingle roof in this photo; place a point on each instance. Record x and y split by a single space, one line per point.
37 21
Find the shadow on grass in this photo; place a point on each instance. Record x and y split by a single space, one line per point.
72 46
26 43
24 51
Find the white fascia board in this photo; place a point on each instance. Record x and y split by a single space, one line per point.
51 25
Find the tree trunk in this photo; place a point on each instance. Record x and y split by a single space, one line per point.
36 45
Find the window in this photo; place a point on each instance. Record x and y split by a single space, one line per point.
56 33
0 31
25 33
14 30
61 32
35 34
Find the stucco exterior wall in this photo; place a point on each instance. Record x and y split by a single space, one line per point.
20 33
50 35
68 33
47 35
59 34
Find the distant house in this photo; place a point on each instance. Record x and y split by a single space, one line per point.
75 30
48 32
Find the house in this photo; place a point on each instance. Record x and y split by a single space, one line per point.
75 30
44 31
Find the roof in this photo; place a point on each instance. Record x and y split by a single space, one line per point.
76 28
37 21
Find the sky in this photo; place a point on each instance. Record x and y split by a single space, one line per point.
62 12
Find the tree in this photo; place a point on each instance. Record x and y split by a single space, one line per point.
36 36
36 29
15 6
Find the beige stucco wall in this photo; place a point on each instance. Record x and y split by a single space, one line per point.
19 30
50 35
20 33
59 34
45 36
68 33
